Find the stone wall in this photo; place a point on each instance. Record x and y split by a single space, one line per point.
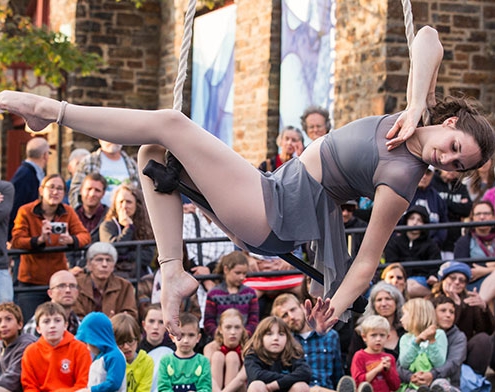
256 79
128 39
141 50
372 54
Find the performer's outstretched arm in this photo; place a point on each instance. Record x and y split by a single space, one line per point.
427 54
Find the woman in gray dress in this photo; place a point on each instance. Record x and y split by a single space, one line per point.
298 202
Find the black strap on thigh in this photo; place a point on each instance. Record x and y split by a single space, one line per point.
295 261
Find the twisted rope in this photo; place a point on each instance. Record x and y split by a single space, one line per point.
184 53
177 105
408 24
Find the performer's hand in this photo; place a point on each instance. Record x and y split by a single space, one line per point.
319 317
404 127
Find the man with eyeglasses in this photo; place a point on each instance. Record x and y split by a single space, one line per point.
315 121
63 290
100 290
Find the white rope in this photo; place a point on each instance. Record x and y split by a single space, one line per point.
184 53
408 24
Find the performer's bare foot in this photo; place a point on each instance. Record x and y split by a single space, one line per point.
38 111
176 284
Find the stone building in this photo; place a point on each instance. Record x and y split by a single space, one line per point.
141 47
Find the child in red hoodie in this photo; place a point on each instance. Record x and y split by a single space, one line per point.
57 361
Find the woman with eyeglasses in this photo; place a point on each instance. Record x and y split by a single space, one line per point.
472 315
45 223
478 242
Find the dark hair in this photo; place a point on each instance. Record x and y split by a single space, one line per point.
156 306
187 318
470 119
442 299
231 260
482 202
254 345
48 178
13 309
125 328
95 176
49 309
316 110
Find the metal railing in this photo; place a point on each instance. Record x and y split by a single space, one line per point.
138 245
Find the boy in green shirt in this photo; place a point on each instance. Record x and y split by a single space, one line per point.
185 370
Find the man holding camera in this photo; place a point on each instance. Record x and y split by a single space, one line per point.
42 224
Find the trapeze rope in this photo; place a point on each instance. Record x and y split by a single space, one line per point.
177 105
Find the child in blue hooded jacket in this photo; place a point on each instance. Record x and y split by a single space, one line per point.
107 372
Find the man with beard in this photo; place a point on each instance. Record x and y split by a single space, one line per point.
321 351
63 291
112 163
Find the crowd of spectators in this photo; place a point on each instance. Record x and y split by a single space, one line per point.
428 326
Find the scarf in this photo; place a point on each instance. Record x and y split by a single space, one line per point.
486 243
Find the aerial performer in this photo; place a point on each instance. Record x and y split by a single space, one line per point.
380 157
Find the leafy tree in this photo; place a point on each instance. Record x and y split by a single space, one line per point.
49 54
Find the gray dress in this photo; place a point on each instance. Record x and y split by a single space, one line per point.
355 160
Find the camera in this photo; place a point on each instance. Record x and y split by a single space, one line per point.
58 227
